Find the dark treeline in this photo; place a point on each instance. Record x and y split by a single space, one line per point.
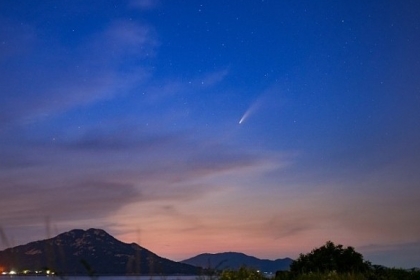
332 262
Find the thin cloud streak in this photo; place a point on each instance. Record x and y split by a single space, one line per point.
91 77
143 4
139 179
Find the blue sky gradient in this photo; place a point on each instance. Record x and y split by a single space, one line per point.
126 116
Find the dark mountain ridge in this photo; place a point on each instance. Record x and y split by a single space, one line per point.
233 260
90 252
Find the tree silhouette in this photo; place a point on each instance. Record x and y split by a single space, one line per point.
330 257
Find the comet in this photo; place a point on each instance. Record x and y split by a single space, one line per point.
269 96
244 117
254 106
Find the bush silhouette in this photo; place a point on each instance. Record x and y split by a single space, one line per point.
243 273
330 258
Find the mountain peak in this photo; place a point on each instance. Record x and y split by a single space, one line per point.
78 252
235 260
97 231
81 232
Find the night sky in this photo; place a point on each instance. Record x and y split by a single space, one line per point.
263 127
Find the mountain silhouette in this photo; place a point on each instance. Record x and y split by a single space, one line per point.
233 260
91 252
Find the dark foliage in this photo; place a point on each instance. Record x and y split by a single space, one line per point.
330 258
378 272
334 262
243 273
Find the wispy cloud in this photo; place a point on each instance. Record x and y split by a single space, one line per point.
143 4
160 91
123 38
30 204
145 168
31 90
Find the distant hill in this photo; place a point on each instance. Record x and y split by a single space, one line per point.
91 252
234 260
